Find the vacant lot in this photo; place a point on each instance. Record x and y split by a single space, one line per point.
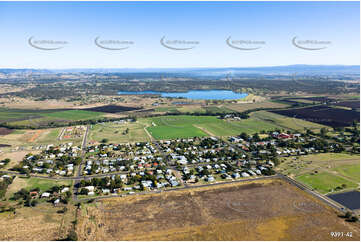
32 183
15 157
334 117
39 223
49 136
263 210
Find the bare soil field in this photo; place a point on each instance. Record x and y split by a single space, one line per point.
241 107
334 117
5 131
111 109
26 103
264 210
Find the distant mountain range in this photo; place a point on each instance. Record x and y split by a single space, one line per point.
269 70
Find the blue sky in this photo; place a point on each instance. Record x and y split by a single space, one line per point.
209 23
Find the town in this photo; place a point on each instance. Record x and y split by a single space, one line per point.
131 168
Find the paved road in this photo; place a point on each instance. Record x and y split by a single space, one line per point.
313 193
70 177
60 137
278 175
77 178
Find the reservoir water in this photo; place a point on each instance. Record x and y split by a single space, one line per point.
194 94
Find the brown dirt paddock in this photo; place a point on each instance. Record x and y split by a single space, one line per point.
5 131
263 210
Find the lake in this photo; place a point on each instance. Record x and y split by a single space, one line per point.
351 200
195 94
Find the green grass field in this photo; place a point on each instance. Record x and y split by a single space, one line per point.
17 114
325 182
182 126
228 128
36 118
350 171
166 132
74 115
44 184
329 170
172 127
32 183
285 122
114 132
166 109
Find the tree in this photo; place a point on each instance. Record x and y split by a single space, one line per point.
244 136
323 132
72 236
104 140
83 191
348 214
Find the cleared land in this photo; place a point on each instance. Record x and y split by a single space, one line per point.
334 117
15 157
39 223
241 107
324 172
251 211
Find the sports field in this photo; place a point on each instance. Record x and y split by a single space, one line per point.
325 182
182 126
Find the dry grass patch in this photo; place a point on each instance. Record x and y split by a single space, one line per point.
264 210
39 223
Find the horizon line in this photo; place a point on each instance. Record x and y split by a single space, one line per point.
210 67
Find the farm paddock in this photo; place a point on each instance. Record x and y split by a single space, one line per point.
260 210
111 109
349 104
334 117
5 131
